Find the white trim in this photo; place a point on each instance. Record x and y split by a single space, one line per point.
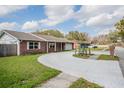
39 45
33 45
38 37
55 47
28 45
11 35
47 47
61 46
18 48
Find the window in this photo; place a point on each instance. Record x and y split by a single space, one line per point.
33 45
51 45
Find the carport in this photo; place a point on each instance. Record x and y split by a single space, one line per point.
8 49
9 45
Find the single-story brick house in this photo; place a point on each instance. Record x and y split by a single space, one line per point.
33 43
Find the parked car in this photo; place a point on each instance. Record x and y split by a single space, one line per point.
93 46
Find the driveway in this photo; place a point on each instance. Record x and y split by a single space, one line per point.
120 54
104 73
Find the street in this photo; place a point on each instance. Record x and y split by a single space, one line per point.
120 53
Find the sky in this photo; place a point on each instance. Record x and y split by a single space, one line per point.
94 20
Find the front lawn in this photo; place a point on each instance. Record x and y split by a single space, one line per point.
82 83
23 71
107 57
84 56
97 49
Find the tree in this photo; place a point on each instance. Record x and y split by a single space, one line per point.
113 36
120 28
75 35
101 39
55 33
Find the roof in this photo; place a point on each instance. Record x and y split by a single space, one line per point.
23 35
53 39
35 37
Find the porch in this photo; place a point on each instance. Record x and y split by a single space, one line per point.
55 46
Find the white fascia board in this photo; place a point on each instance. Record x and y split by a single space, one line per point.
11 35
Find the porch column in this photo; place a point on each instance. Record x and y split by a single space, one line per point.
18 48
47 47
61 46
55 47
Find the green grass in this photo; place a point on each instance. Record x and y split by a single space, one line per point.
82 83
23 72
107 57
97 49
84 56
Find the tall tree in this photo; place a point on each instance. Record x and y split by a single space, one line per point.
75 35
55 33
120 28
113 36
101 39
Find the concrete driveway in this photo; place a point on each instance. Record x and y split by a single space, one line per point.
120 54
104 73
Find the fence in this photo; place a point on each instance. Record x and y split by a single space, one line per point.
8 49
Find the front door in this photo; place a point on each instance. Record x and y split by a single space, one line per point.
51 47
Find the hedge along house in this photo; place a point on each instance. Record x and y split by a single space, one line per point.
20 43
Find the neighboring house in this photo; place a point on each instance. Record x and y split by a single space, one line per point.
31 43
81 44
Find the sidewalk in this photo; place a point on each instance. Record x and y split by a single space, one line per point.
61 81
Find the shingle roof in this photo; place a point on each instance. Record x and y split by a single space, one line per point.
36 37
23 35
53 39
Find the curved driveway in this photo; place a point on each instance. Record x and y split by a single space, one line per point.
105 73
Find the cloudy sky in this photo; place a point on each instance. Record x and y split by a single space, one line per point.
91 19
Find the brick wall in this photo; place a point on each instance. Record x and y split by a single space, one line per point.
24 50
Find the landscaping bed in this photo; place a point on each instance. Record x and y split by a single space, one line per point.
82 83
97 49
23 72
84 56
107 57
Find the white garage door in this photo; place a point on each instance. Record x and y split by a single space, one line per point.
68 46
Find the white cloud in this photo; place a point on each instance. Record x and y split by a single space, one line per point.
96 17
104 31
57 14
8 25
30 25
6 9
119 12
101 19
99 15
